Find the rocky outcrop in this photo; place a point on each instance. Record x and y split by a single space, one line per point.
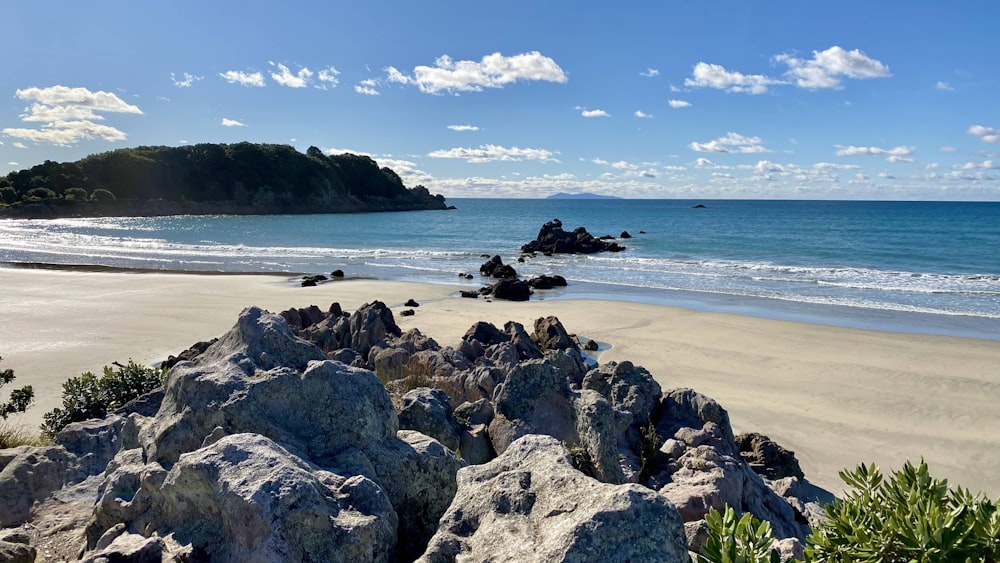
428 411
552 239
767 457
530 504
495 268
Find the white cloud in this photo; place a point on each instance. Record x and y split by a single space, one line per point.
20 145
944 86
984 165
600 161
463 128
679 103
703 163
895 154
367 87
186 81
985 134
350 151
488 153
716 76
731 142
255 79
285 77
826 67
641 114
69 114
12 163
231 123
595 113
493 71
328 78
623 165
650 72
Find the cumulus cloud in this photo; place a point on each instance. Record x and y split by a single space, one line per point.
285 77
186 80
703 163
463 128
19 145
68 115
489 153
827 67
824 70
492 71
624 165
367 87
641 114
226 122
985 134
679 103
895 154
595 113
255 79
707 75
650 72
327 78
944 86
12 163
731 142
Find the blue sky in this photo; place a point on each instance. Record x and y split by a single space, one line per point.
832 100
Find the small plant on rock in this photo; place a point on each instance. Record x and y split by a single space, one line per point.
89 396
737 540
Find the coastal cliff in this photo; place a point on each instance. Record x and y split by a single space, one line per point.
208 179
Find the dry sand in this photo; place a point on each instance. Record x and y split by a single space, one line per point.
835 396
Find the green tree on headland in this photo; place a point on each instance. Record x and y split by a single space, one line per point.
19 399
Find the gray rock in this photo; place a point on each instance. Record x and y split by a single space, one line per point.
31 475
94 442
371 324
767 457
16 552
428 411
474 445
530 504
471 414
519 337
551 335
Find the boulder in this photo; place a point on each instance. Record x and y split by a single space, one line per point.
552 239
428 411
551 335
411 303
29 474
338 274
187 355
371 324
547 282
510 289
531 504
304 318
469 294
16 551
625 234
93 442
767 458
495 268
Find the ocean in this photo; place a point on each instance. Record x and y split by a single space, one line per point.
929 267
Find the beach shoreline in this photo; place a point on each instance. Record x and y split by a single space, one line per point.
836 396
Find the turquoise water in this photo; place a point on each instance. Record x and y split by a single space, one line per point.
921 266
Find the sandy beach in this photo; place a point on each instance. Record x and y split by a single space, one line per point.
835 396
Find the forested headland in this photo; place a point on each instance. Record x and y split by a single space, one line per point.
241 178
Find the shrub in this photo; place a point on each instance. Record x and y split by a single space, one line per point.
89 396
101 194
19 399
8 195
732 540
40 193
75 194
911 516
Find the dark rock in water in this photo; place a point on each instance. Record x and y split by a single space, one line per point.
699 206
625 234
642 232
547 282
606 237
451 208
520 259
511 290
407 313
411 303
469 294
767 457
591 346
553 239
495 268
312 281
337 273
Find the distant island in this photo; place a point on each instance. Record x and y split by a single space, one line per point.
585 195
208 179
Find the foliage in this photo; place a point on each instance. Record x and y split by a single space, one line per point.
650 451
19 399
12 436
911 516
40 193
101 194
75 194
89 396
8 195
732 540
